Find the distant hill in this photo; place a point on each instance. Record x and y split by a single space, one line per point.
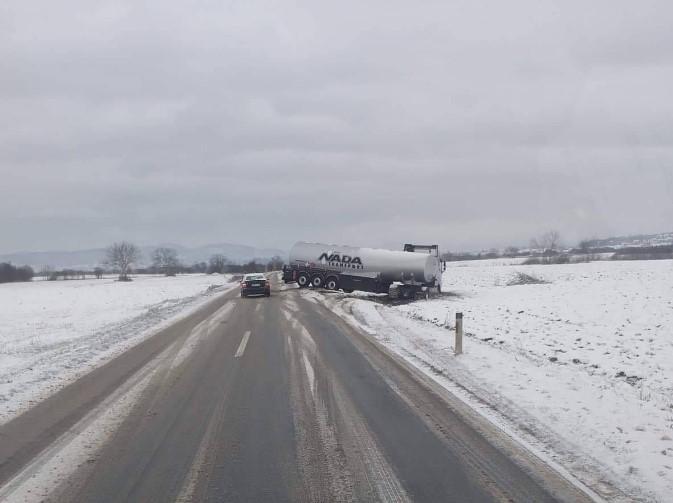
636 240
88 259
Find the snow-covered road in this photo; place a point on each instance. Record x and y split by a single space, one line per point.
580 366
52 332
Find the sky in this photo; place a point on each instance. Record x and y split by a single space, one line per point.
468 124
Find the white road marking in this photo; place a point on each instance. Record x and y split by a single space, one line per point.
221 315
310 373
244 343
292 305
200 332
258 308
201 458
82 441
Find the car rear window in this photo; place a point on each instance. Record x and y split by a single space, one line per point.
255 277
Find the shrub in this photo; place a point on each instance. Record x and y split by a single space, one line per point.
521 278
548 260
10 273
644 253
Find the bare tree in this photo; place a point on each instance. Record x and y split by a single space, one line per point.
217 263
252 266
121 256
199 267
549 242
586 245
511 251
275 264
98 271
552 240
46 271
166 261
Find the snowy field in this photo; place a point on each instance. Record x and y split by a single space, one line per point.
579 367
52 332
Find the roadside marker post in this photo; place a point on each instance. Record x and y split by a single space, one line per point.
458 347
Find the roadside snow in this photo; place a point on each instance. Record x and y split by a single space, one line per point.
582 365
52 332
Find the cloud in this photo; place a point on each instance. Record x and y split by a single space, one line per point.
375 123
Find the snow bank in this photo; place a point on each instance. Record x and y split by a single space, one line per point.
582 364
52 332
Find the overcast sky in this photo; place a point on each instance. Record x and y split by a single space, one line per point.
465 123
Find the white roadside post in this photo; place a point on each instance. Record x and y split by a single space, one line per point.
458 347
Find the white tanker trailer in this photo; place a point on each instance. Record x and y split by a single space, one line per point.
397 273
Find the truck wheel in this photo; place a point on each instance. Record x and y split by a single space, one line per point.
332 283
317 281
303 280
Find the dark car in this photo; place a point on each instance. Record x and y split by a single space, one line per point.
255 284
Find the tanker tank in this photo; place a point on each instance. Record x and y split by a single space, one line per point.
390 265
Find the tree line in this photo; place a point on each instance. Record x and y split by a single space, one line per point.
548 248
10 273
121 257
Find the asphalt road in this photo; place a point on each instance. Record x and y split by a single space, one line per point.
263 399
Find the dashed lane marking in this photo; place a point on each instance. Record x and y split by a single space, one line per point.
242 345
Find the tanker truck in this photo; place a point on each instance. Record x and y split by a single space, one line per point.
400 274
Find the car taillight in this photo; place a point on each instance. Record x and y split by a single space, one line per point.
242 284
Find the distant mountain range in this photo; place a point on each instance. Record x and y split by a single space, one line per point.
88 259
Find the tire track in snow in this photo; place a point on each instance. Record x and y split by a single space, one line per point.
350 455
79 445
